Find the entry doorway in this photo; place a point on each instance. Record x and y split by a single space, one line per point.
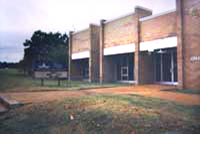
124 73
85 73
80 69
165 64
125 67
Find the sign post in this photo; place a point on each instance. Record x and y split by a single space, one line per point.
49 74
42 82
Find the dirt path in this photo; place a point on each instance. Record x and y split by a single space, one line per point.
45 96
153 91
148 90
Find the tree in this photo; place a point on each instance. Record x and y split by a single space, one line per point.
45 48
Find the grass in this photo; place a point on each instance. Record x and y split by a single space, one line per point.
93 113
103 114
13 80
186 91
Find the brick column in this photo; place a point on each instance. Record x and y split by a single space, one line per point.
70 55
90 54
139 13
180 46
101 54
137 51
94 53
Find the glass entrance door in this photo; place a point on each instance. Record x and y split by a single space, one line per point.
125 67
165 65
124 73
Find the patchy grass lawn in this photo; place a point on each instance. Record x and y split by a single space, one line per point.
103 114
186 91
92 113
13 80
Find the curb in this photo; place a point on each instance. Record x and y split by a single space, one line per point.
8 103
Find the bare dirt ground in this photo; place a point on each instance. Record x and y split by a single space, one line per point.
153 91
45 96
124 109
146 90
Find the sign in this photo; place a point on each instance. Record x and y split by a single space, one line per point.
194 58
51 74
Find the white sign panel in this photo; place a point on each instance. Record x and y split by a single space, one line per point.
194 58
50 74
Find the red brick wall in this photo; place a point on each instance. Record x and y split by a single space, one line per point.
158 27
191 43
185 23
86 40
146 68
81 41
119 32
138 69
94 62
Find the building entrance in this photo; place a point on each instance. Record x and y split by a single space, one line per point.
125 67
165 65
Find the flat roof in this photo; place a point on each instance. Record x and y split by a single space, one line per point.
156 15
77 32
128 14
119 17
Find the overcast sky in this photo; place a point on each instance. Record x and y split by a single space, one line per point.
20 18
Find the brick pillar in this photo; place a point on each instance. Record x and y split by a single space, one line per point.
94 53
70 55
101 54
90 54
180 46
139 13
137 51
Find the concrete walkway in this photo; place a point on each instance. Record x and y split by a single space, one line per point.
2 108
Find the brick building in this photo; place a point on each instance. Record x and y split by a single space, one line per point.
141 48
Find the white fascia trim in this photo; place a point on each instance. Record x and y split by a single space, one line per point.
121 49
156 15
158 44
80 55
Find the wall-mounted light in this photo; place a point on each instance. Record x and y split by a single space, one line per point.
161 51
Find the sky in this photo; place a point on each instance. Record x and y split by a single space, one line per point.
20 18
